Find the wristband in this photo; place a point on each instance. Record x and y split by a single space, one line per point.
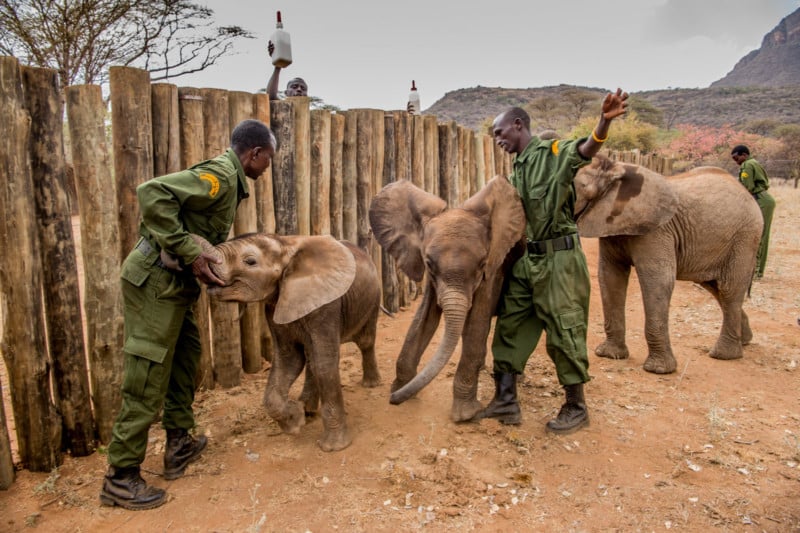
598 139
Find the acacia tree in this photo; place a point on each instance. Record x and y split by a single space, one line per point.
82 38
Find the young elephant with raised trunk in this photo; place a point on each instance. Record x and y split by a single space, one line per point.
318 293
461 252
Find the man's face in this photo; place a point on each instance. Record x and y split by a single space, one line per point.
296 87
258 161
506 133
739 158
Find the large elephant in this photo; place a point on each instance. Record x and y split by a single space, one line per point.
461 252
318 293
699 226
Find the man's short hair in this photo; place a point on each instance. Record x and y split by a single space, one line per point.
740 149
515 113
301 80
252 133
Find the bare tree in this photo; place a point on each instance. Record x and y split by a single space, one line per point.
82 38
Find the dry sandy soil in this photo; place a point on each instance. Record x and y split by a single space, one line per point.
714 446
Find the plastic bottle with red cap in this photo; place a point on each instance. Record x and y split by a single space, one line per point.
282 53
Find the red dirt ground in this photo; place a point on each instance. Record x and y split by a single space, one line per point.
714 446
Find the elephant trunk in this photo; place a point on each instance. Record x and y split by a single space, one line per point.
454 308
210 249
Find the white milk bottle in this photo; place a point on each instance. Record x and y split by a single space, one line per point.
282 54
413 100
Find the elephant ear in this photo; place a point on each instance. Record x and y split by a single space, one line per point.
397 215
500 204
621 199
319 270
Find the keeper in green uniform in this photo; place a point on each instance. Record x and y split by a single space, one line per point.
754 179
159 286
548 288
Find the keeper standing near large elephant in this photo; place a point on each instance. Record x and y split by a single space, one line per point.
754 178
548 289
159 287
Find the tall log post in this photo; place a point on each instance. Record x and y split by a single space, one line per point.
389 278
59 266
499 163
376 117
480 162
225 331
418 150
350 178
320 172
448 163
246 221
166 129
337 145
23 330
302 162
431 131
97 202
263 186
192 151
283 168
6 462
488 158
132 133
402 145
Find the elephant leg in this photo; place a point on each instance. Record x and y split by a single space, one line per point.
613 275
323 357
419 335
657 283
729 343
366 344
747 333
286 367
309 397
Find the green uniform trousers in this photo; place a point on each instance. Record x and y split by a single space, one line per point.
162 354
766 203
547 292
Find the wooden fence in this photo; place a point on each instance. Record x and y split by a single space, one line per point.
62 336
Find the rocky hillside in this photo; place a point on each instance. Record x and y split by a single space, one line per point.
765 84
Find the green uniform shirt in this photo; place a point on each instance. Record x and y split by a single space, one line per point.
753 176
200 200
543 175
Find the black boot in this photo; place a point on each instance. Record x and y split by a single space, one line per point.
573 415
182 449
504 406
126 488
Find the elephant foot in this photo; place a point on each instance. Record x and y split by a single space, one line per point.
612 350
747 334
662 364
310 405
371 381
466 410
727 352
292 418
333 441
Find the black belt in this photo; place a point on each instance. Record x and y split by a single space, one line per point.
566 242
146 248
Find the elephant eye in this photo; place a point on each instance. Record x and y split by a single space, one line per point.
250 261
431 267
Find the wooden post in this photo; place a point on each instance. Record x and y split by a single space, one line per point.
499 160
431 131
376 117
283 188
365 163
192 145
389 278
320 172
480 162
418 151
132 130
402 146
246 221
337 145
464 157
166 129
266 216
488 158
59 266
448 163
6 461
350 178
263 186
97 202
225 333
23 330
302 162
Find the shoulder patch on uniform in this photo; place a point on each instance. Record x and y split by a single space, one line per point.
554 147
213 181
745 175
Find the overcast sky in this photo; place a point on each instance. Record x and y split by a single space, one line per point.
364 53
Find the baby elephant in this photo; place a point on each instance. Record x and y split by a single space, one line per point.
318 293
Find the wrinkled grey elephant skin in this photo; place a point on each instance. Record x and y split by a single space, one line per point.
317 293
699 226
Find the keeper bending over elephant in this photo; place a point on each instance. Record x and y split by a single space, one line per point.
699 226
461 254
318 293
